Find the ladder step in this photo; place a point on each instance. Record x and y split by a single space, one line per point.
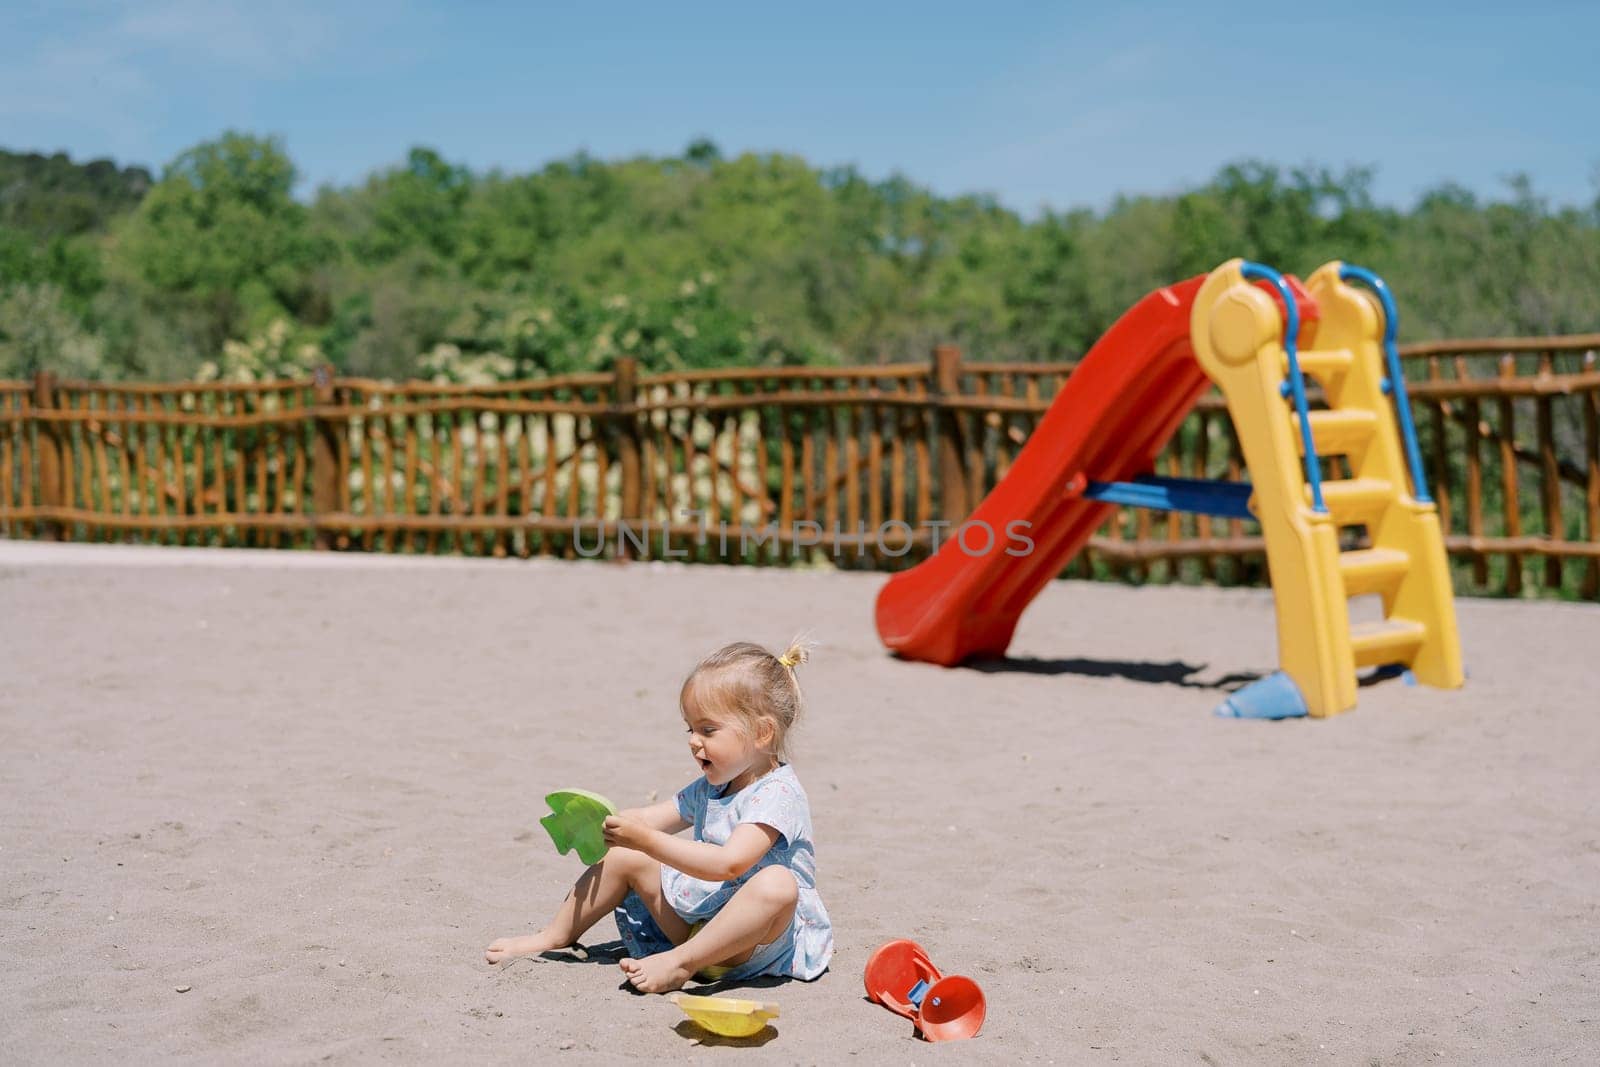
1337 433
1355 500
1391 640
1372 570
1322 362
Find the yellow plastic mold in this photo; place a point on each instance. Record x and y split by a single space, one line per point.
728 1016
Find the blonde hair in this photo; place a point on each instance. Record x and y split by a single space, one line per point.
746 683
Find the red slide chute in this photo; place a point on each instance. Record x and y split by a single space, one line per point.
1116 411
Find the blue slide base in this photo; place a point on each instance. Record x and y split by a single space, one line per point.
1273 697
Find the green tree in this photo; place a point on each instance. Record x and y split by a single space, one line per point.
39 332
417 206
51 196
807 263
222 235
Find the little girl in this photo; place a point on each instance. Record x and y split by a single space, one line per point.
740 899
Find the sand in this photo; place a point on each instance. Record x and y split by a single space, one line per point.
304 790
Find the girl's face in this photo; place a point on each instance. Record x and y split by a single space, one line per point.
723 746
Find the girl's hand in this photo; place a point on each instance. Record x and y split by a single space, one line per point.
626 831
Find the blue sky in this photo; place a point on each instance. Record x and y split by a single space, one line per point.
1060 104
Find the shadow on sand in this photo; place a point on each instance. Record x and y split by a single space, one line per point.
609 953
698 1035
1174 672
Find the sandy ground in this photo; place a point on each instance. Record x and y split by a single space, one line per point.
305 789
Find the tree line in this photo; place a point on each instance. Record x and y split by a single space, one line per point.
429 269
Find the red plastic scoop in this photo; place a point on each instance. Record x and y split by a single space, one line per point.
902 978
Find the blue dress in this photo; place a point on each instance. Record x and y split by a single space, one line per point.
776 800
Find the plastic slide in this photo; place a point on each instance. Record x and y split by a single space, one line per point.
1108 423
1316 394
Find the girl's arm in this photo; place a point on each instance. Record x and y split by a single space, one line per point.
700 859
664 816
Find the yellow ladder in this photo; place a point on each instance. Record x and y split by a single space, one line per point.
1237 333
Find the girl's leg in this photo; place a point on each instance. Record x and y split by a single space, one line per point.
758 914
597 892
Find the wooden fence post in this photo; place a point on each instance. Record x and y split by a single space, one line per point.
624 401
51 459
324 458
953 502
1511 500
1549 476
1591 492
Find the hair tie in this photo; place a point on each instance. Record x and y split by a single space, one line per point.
787 660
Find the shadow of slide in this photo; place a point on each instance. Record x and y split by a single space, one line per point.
1173 672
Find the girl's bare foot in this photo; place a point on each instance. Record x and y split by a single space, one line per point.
656 974
507 948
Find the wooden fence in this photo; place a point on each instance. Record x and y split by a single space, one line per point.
859 464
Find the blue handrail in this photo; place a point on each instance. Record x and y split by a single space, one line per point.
1397 381
1297 385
